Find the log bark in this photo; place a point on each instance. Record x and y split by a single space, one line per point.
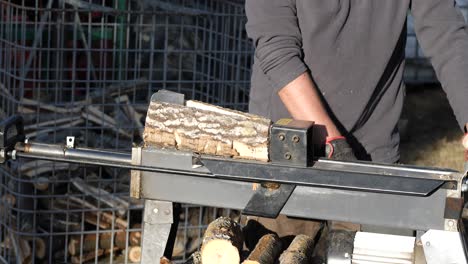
222 242
299 251
207 129
267 251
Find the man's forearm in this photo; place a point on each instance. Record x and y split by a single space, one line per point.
303 102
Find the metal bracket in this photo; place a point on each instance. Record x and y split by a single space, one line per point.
157 221
268 200
167 96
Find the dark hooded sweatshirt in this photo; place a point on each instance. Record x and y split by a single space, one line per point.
354 51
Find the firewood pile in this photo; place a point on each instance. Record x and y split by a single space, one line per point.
224 239
89 205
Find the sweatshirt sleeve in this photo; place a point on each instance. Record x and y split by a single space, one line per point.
274 29
442 34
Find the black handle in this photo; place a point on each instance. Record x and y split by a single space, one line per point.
11 132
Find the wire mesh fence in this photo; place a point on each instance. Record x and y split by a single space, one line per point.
88 69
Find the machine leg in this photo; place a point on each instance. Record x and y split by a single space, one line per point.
157 221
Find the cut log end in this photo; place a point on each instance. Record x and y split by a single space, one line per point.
222 242
220 251
134 254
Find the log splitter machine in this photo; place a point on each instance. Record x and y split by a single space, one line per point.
427 200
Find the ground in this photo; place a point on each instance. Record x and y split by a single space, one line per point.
432 136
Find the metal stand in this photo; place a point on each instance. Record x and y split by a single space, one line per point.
158 218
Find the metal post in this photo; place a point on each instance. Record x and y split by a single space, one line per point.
157 221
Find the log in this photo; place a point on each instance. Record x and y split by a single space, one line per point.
165 260
135 236
195 258
89 244
104 216
222 242
119 240
124 101
87 256
207 129
267 251
102 195
299 251
39 247
134 254
107 241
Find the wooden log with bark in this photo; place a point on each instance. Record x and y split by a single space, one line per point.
267 251
299 251
222 242
207 129
105 241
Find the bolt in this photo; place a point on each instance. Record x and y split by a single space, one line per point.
450 223
2 153
287 155
295 139
26 140
281 137
167 211
13 154
155 210
428 243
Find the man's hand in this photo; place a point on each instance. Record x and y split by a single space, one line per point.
337 148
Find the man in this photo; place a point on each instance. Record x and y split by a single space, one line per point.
340 63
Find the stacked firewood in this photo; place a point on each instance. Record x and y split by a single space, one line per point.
89 205
223 243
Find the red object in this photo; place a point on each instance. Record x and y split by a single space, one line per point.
328 143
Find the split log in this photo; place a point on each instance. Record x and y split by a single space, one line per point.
102 195
299 252
107 217
96 119
222 242
267 251
54 129
131 112
207 129
59 110
93 219
52 123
